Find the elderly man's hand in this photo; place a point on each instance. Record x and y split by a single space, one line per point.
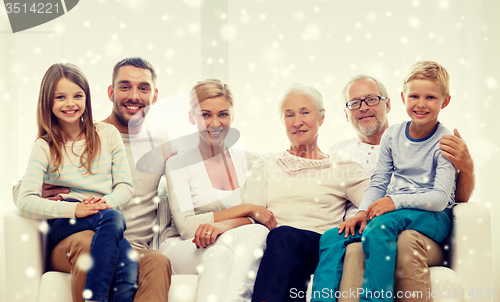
453 148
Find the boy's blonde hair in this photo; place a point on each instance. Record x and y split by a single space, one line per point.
429 70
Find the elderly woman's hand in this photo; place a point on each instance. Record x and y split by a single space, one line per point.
262 216
350 225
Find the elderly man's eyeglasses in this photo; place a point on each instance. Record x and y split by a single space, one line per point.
369 101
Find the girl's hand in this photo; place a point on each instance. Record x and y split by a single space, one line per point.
379 207
350 225
206 234
84 209
262 216
92 200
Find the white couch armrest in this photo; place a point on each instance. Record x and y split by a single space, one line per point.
24 257
470 250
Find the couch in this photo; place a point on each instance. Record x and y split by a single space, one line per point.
466 277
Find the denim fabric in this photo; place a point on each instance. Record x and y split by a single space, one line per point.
112 275
379 241
290 258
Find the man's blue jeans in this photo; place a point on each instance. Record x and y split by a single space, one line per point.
112 275
289 260
379 241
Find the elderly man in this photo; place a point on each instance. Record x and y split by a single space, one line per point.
416 252
132 91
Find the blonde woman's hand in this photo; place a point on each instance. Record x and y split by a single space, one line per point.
207 233
350 225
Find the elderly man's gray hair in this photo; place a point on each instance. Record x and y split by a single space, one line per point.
360 77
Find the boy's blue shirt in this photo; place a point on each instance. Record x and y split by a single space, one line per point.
423 178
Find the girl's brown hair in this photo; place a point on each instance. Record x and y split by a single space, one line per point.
49 128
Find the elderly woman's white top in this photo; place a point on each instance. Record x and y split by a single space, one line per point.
312 194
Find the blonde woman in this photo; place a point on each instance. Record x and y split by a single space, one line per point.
217 199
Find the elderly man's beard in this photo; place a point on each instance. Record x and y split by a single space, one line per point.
369 130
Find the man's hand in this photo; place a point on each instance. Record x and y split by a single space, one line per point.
84 209
350 225
453 148
52 192
262 216
379 207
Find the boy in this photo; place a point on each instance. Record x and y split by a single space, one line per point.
421 198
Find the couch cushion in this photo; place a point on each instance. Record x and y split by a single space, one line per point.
446 286
183 288
56 287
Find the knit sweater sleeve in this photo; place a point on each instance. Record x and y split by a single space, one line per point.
122 187
30 203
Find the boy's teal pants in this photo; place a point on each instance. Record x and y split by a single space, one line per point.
379 241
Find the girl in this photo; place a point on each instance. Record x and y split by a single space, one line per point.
89 159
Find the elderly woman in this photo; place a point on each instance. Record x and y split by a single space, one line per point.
216 193
307 191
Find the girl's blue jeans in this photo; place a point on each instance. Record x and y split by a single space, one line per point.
112 275
379 240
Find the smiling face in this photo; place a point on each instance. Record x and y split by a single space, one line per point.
132 91
369 121
68 103
423 99
302 120
213 119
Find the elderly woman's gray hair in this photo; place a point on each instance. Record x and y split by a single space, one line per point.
360 77
300 89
